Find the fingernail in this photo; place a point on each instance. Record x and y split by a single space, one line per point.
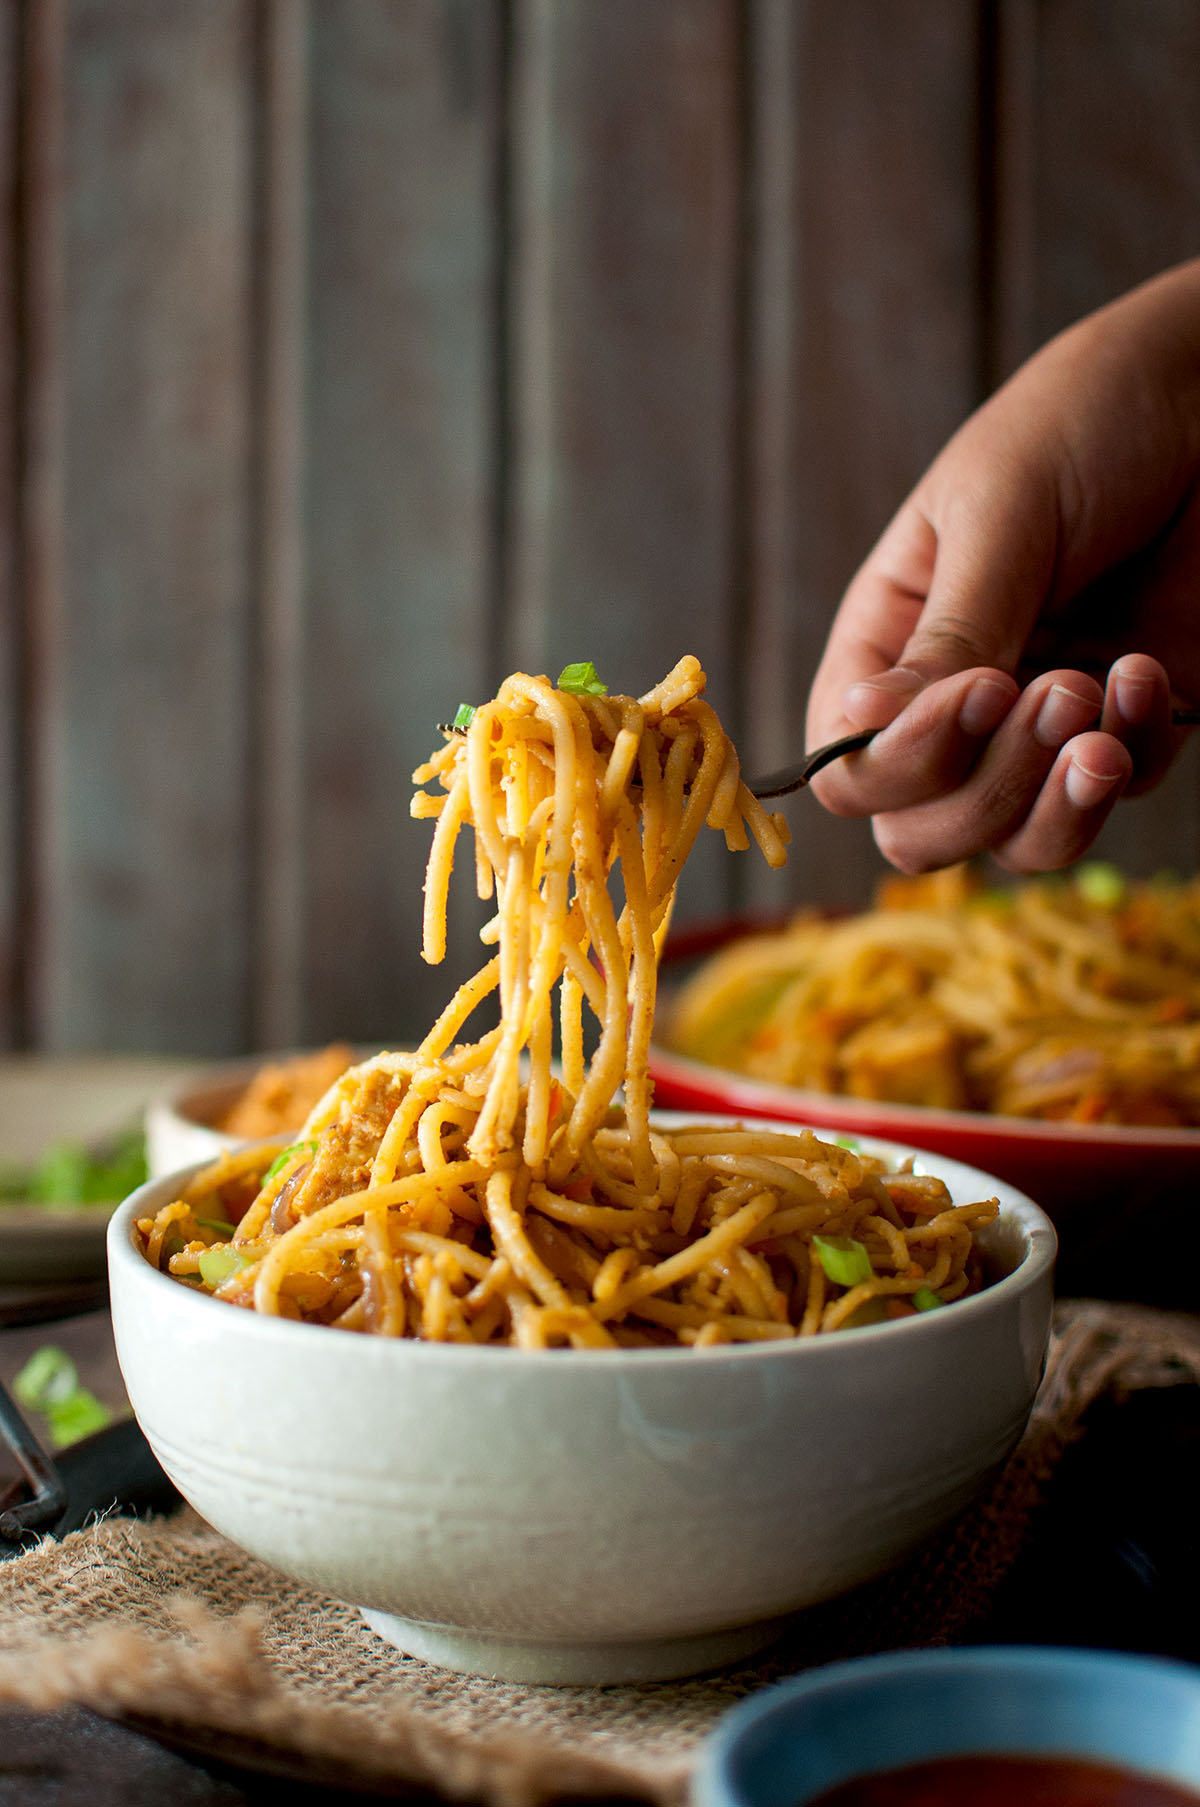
1087 789
1062 714
1134 696
985 706
876 701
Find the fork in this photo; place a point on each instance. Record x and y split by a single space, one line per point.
794 777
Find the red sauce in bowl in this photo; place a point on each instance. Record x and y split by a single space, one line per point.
988 1781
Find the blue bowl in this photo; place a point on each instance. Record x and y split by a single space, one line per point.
792 1742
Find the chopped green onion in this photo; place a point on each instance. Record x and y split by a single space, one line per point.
925 1299
1101 885
68 1173
581 680
77 1417
850 1142
49 1384
60 1175
845 1261
48 1378
217 1224
284 1156
464 715
218 1265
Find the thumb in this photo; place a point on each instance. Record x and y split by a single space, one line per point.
994 547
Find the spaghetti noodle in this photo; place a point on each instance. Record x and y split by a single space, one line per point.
470 1191
1074 1000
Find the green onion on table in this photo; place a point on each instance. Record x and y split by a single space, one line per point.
71 1173
49 1386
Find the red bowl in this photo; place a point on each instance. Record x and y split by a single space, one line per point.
1122 1197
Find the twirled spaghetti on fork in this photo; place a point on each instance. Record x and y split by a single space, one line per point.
469 1190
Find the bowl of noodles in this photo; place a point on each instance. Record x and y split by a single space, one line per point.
1048 1032
550 1385
602 1511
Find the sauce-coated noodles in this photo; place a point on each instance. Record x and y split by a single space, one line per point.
1074 1000
470 1190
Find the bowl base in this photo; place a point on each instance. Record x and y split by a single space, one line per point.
571 1665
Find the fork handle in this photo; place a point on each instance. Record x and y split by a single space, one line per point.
795 777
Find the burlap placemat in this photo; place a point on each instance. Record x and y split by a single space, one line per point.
168 1622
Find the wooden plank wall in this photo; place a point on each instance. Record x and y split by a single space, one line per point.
10 622
352 354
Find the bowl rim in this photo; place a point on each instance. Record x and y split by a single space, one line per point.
716 1780
1036 1264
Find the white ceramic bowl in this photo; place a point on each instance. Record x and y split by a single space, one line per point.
584 1515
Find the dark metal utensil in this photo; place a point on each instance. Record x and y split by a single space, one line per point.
113 1470
47 1497
795 777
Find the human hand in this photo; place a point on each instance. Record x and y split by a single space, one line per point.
989 632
